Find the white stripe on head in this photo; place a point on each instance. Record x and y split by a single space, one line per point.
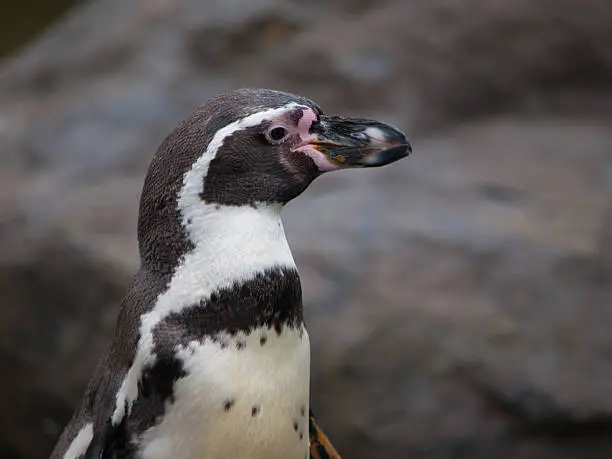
80 443
232 244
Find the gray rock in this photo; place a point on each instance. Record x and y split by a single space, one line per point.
606 245
59 308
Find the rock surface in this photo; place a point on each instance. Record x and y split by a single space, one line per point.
460 303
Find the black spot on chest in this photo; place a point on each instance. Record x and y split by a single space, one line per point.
227 404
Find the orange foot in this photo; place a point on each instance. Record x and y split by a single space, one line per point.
320 447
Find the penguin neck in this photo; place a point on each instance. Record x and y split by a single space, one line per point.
231 245
236 239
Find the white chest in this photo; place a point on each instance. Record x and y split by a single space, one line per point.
246 400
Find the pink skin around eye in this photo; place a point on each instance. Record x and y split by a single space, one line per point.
305 147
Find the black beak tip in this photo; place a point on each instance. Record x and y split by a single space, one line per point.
395 136
388 155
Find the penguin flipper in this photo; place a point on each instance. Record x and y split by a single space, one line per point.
110 442
320 446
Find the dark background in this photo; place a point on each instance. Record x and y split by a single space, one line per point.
459 302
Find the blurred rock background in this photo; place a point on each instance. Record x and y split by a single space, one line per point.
459 303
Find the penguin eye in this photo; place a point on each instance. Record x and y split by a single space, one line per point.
276 134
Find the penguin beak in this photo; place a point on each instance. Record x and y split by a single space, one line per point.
350 142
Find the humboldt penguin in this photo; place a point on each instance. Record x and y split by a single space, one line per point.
210 357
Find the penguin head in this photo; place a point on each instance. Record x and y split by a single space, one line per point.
257 146
268 146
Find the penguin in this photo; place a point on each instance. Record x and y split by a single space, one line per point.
210 357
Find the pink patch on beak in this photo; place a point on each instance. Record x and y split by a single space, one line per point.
307 148
308 117
321 161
